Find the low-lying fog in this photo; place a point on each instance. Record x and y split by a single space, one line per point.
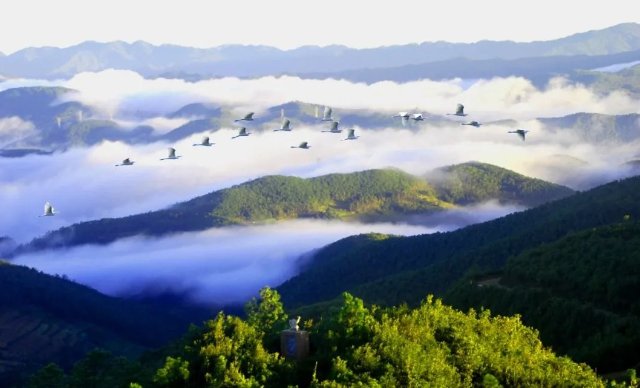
84 184
219 266
228 265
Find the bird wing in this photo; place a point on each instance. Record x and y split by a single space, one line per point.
249 116
47 208
285 124
352 132
327 112
126 161
303 144
334 126
460 109
205 140
172 152
243 131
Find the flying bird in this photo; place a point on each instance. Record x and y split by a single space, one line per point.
247 117
242 132
204 143
472 123
304 145
334 128
459 111
48 210
402 115
126 162
351 135
326 116
417 117
172 154
285 126
520 132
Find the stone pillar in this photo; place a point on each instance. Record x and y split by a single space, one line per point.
294 344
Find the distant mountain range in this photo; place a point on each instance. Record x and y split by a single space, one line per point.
537 69
253 61
370 196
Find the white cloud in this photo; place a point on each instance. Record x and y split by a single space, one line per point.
83 184
498 98
214 267
16 132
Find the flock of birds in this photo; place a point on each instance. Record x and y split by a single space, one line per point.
406 116
285 126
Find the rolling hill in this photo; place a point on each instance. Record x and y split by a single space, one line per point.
47 318
585 284
522 264
373 265
369 196
474 182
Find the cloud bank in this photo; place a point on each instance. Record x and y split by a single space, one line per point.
14 130
213 267
229 265
513 97
83 183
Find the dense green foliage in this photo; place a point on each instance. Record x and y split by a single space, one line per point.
586 284
432 345
367 193
373 195
476 182
395 270
46 318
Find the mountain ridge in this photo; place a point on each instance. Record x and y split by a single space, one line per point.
369 196
252 61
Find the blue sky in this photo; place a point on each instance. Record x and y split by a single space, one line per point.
293 23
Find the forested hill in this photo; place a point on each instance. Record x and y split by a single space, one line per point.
46 318
391 270
476 182
433 345
373 195
586 284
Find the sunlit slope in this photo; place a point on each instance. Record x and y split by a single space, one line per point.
373 195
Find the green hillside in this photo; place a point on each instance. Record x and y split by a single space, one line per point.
475 182
586 284
46 318
353 345
373 195
392 270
